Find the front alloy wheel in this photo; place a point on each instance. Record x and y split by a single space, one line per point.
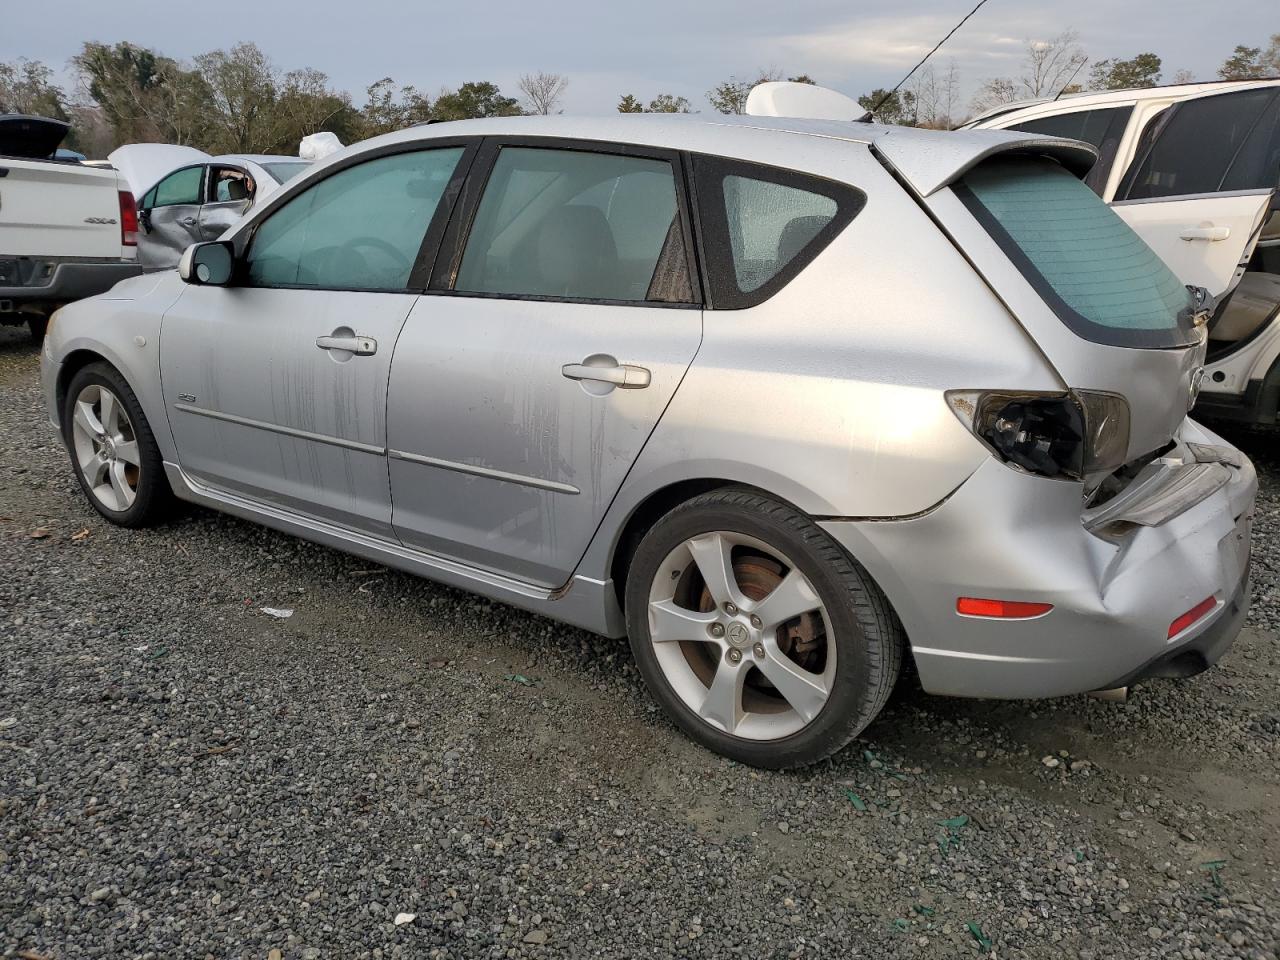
106 447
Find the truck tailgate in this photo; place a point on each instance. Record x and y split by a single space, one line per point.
50 209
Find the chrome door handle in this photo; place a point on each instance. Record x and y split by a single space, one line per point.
623 375
360 346
1210 233
189 221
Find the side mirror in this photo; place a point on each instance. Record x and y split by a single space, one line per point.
207 264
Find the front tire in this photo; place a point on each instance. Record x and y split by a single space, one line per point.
113 451
37 325
757 633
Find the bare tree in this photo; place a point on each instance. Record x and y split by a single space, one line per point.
1051 64
935 96
542 91
994 92
1184 76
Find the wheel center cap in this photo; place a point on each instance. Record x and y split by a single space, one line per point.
109 447
738 635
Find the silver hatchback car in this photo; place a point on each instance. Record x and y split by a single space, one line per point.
783 401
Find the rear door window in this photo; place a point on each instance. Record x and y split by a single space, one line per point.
1100 277
762 225
1205 144
577 225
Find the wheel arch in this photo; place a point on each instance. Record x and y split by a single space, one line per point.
73 363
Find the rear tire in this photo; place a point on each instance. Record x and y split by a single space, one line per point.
780 661
113 450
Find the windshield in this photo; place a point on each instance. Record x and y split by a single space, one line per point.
285 171
1100 277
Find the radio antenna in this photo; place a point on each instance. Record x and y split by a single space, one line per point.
870 114
1070 78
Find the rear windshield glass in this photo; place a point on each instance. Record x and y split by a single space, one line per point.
1103 281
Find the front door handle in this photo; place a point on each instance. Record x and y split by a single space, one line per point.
624 375
358 345
189 221
1210 233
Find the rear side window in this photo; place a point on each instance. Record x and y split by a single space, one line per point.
577 225
1100 277
1206 144
762 225
359 229
1102 128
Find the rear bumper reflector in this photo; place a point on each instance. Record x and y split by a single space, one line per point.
1000 609
1198 612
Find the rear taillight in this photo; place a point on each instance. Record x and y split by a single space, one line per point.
1063 435
128 219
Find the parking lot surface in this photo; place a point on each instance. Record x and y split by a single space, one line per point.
399 769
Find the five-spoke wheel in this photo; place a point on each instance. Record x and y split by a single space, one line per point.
759 635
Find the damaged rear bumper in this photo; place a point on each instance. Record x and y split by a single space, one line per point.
1117 576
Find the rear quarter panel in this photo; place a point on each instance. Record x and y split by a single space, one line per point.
830 395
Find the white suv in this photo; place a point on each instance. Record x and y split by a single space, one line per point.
1193 169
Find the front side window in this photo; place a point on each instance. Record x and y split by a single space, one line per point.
358 229
763 224
1100 277
575 225
180 187
1202 144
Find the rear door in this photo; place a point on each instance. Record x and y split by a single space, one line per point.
562 316
1200 190
169 215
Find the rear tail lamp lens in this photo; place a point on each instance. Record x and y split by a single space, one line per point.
1001 609
1063 435
1191 616
128 220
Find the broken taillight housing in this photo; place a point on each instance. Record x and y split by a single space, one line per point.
1063 435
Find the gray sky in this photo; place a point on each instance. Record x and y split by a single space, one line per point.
678 46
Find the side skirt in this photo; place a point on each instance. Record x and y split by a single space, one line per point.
583 602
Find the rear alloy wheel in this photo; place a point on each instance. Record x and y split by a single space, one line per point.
112 448
758 634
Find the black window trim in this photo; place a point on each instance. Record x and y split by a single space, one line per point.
1075 321
200 191
721 278
208 180
428 250
1164 118
449 260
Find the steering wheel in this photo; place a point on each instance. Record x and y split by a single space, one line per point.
377 243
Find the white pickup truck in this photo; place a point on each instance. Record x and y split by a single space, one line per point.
67 229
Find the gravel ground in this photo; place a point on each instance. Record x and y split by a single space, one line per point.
401 770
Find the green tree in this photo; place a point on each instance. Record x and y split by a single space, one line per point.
629 104
898 107
389 107
1252 63
26 86
474 99
731 95
668 103
1142 70
803 78
143 95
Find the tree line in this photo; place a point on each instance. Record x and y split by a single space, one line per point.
240 101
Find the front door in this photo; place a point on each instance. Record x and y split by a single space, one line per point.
227 195
523 391
276 386
170 218
1200 188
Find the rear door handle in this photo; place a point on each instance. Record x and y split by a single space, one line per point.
189 221
360 346
1210 233
624 375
